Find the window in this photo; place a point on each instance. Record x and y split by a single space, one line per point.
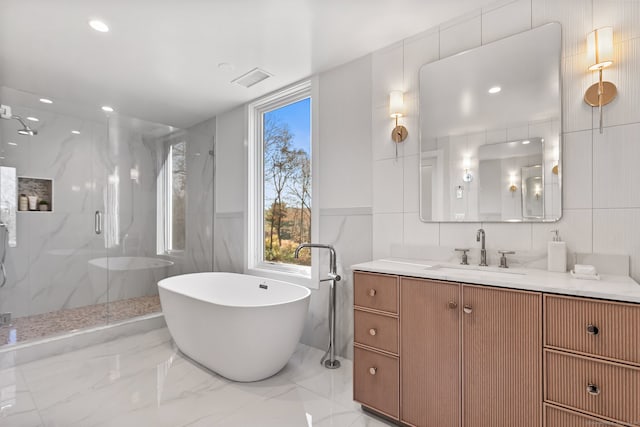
172 183
280 187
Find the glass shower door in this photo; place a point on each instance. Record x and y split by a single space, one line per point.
52 286
134 220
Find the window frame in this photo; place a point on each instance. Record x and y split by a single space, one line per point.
254 230
164 185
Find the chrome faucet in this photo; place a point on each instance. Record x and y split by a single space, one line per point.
333 273
332 362
480 237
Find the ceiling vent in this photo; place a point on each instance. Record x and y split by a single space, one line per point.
251 78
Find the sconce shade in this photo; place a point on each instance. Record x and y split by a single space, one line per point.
600 48
396 104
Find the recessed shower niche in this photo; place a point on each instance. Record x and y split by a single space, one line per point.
35 194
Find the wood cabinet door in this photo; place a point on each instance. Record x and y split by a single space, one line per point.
430 353
502 357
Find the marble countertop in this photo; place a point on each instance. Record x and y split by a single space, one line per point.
609 287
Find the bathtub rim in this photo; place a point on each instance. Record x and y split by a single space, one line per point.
253 306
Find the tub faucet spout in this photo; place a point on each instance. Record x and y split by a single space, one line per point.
333 269
334 277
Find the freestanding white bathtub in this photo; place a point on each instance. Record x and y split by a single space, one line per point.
242 327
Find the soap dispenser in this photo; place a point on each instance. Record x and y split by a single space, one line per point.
557 254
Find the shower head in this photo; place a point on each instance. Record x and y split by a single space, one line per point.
26 130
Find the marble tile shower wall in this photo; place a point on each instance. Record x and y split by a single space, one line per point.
198 254
59 261
601 202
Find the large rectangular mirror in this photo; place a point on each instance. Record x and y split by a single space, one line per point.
490 132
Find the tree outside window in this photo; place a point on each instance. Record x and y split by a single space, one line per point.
286 134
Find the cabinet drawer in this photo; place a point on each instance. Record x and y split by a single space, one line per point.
375 381
376 291
614 392
599 328
558 417
376 331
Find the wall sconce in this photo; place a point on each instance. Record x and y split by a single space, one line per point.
512 183
599 57
396 109
466 165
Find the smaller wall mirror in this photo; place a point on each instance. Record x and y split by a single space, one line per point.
490 127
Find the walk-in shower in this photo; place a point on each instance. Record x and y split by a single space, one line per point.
69 167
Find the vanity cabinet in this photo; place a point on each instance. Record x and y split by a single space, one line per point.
592 362
430 352
375 358
502 357
468 355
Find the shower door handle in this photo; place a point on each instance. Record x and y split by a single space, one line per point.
98 222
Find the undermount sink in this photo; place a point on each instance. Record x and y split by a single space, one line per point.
472 269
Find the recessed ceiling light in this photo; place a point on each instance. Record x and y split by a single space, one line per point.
33 119
75 132
46 101
12 143
495 89
1 158
526 141
107 109
98 25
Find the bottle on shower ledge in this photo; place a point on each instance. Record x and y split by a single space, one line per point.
33 203
23 203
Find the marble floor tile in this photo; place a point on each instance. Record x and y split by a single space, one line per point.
143 380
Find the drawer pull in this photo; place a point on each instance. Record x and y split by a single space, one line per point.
453 305
592 330
593 389
372 332
468 309
373 370
372 292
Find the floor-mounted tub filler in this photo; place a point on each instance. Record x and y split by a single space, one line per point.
242 327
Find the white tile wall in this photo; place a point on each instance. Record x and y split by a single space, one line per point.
577 170
624 74
506 20
388 230
387 185
230 161
461 37
345 136
616 175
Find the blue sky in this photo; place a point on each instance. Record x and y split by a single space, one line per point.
298 117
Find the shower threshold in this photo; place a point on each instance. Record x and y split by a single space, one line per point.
54 323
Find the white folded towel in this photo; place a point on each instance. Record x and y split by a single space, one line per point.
585 269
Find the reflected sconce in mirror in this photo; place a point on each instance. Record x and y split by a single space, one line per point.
538 192
466 165
512 181
599 57
396 109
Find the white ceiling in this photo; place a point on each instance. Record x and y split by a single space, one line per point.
160 60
